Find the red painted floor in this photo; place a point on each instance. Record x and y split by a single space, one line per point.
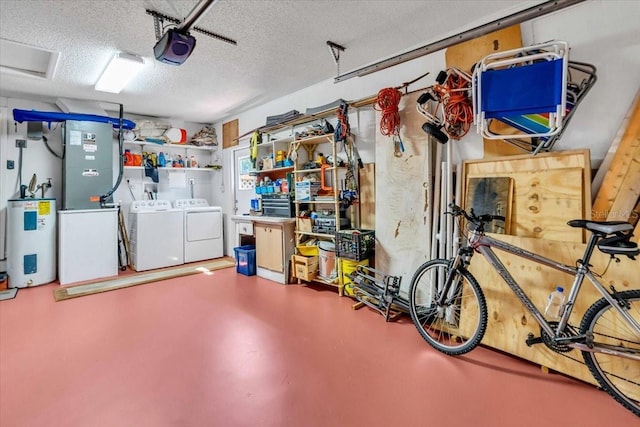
230 350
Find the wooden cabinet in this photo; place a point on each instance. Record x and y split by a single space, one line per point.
275 243
269 247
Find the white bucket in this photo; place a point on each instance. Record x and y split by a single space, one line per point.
327 252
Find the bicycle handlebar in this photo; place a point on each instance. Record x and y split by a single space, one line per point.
472 217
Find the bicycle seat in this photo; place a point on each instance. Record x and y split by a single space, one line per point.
601 227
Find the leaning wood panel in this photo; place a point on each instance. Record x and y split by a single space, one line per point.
367 197
596 183
402 196
509 322
544 162
543 202
623 158
627 198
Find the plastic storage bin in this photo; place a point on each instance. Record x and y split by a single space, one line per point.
355 244
245 260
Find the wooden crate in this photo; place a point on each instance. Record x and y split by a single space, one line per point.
305 267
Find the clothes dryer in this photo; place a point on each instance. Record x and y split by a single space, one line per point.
156 234
203 235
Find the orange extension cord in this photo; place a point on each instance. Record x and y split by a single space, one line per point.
388 101
458 111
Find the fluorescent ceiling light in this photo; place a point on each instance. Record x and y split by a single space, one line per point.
120 71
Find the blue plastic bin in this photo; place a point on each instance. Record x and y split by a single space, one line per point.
246 260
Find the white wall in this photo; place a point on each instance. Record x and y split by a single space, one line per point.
603 33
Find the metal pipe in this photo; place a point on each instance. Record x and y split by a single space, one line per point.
196 13
513 19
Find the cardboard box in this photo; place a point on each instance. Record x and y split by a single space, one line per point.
305 267
304 224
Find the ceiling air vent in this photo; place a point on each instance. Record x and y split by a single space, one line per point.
23 60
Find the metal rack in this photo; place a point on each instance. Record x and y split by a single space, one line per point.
379 291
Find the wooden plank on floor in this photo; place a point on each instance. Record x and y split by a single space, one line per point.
204 267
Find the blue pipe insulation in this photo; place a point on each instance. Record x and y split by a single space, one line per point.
52 116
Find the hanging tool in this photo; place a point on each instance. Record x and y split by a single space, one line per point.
123 240
130 190
343 128
256 139
398 146
32 186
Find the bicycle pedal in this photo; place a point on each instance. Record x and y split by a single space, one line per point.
531 340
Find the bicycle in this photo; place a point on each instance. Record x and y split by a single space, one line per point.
448 307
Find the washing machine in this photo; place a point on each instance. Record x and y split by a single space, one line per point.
202 229
156 234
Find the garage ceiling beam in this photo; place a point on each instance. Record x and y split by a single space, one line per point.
516 18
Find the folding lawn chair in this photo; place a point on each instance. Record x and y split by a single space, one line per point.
528 89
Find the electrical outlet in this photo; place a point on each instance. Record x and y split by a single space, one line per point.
11 164
21 143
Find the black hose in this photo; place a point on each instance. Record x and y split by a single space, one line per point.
46 144
104 197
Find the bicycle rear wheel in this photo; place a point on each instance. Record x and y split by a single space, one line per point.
457 326
618 375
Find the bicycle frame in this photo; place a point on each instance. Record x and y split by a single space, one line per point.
483 244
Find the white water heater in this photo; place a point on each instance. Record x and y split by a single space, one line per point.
31 242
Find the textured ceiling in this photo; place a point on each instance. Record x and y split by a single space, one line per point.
281 47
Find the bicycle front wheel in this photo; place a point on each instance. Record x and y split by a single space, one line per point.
617 374
456 326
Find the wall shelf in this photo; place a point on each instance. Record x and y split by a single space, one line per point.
170 146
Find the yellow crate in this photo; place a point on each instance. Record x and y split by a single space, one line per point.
347 266
308 250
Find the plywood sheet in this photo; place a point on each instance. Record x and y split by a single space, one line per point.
367 180
402 196
541 162
543 202
230 134
509 322
464 55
